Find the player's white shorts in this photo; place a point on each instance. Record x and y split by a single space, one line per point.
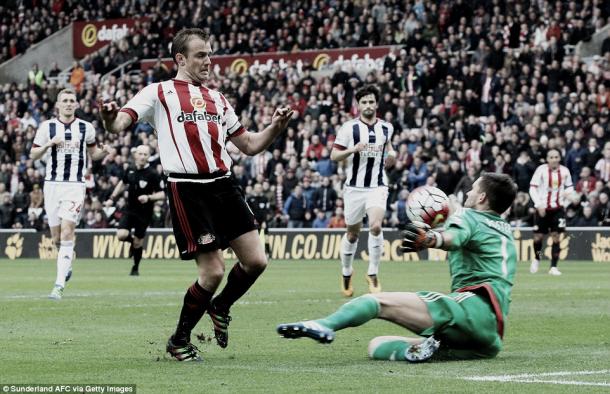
359 200
63 200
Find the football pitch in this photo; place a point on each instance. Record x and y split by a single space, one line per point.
111 328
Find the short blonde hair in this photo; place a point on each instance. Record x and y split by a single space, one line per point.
65 91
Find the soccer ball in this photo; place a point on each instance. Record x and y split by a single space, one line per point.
428 204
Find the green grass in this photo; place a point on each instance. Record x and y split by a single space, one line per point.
112 328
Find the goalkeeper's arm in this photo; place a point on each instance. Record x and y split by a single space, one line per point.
417 236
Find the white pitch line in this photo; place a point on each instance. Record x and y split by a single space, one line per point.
536 375
535 378
564 382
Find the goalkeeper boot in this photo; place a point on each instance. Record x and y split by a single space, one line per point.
56 293
309 329
374 285
346 286
423 351
182 352
220 319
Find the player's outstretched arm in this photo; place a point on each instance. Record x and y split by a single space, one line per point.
113 120
254 143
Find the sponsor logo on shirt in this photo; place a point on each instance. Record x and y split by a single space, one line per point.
197 116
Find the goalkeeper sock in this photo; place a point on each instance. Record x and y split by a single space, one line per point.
388 349
348 250
353 314
64 262
537 249
137 257
375 244
238 283
196 302
555 254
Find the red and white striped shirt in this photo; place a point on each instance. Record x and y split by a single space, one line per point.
548 187
192 122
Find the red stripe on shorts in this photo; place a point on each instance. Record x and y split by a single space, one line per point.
183 219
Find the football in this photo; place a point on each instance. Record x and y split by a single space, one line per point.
428 204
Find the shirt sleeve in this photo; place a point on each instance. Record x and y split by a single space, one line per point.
460 228
535 185
42 135
568 180
141 107
343 139
90 135
231 124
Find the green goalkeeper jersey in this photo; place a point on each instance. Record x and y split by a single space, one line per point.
482 251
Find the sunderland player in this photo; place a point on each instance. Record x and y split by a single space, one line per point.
209 213
550 187
364 144
467 323
145 186
66 141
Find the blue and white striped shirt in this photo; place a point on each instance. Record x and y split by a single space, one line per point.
66 162
365 170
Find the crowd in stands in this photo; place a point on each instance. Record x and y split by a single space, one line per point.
470 86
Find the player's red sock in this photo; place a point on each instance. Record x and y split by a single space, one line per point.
196 301
238 283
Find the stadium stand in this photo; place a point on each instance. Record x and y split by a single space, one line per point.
470 86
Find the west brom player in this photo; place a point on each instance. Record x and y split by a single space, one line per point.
550 188
364 143
66 141
144 186
209 213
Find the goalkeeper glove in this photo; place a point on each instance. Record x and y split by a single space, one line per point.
418 236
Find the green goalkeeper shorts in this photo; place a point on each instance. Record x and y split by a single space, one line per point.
465 324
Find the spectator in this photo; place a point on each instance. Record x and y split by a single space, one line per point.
587 182
523 170
587 219
418 173
7 212
295 208
338 219
321 220
77 76
324 198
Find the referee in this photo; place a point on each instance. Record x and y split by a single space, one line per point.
144 186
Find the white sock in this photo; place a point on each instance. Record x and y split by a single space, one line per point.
348 250
375 251
64 261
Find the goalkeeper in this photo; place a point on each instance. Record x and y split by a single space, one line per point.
467 323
